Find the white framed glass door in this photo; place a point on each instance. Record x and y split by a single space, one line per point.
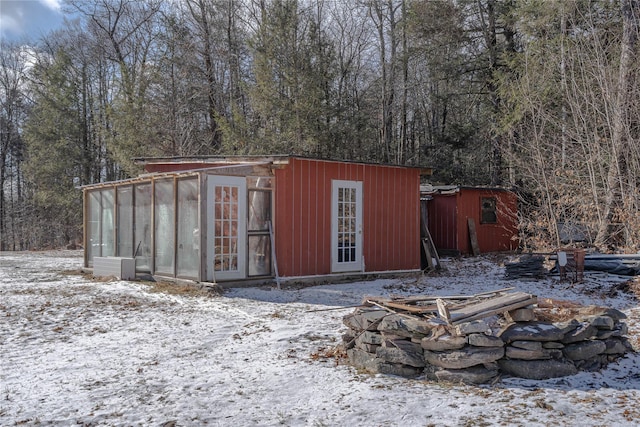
346 226
226 228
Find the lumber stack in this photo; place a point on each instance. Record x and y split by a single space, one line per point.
528 266
475 339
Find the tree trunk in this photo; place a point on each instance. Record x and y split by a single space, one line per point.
203 20
615 186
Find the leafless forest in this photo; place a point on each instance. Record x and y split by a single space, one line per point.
535 95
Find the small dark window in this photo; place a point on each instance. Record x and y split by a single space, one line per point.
488 210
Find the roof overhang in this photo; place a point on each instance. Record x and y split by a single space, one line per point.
453 189
277 161
217 160
172 174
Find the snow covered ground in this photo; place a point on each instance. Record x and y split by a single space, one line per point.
80 352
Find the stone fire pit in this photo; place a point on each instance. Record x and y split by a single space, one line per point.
477 339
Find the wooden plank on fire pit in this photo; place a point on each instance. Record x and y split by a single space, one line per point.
490 307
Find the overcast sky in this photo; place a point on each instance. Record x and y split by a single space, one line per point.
29 19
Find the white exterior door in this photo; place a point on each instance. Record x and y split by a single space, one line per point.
227 228
346 226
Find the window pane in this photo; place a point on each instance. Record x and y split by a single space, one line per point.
142 231
488 208
108 223
125 221
93 225
259 182
259 255
226 228
259 210
188 229
164 227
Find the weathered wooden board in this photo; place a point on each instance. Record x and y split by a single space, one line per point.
499 310
430 251
456 309
490 303
473 236
443 310
491 306
427 253
418 309
417 298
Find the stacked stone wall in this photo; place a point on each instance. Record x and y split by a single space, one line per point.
523 343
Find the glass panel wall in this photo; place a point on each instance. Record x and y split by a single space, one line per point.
125 221
93 225
259 240
164 227
108 223
188 256
142 229
158 222
100 224
259 255
259 210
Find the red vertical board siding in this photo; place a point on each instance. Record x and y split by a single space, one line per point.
283 220
407 214
394 228
381 223
305 224
303 216
499 236
385 219
370 216
295 221
413 219
408 226
367 216
443 224
312 261
448 221
324 207
465 211
388 233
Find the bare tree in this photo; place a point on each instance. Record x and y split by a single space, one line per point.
13 104
617 200
126 31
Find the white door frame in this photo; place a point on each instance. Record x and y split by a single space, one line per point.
346 224
236 255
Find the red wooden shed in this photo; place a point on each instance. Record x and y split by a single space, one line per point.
214 219
453 211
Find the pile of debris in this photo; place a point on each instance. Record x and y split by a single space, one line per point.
476 339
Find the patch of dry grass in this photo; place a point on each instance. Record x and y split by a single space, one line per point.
633 286
182 289
337 353
165 287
